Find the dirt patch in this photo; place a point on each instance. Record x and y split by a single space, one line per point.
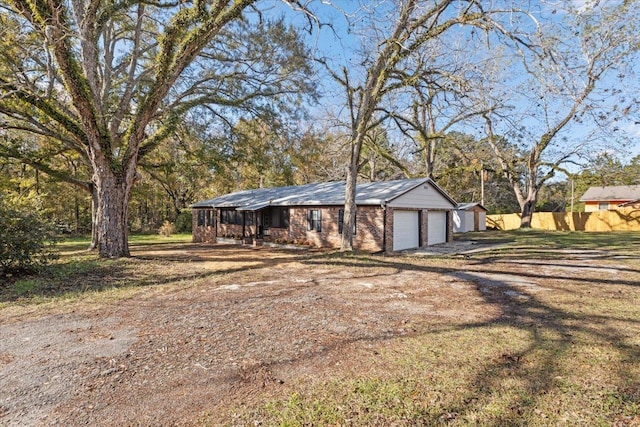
41 360
248 324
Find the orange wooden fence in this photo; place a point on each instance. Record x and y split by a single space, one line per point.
615 220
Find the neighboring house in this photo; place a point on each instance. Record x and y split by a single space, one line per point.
607 198
469 217
390 216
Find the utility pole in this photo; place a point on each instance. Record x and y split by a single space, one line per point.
572 195
482 184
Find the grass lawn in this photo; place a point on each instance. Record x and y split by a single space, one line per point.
570 356
542 330
79 271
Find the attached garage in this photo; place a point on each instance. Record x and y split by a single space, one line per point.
421 216
436 228
406 230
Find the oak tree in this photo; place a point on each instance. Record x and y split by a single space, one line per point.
109 80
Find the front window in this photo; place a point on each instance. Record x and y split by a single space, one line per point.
230 216
314 220
603 206
276 218
279 217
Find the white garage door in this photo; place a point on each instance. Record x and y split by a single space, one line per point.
406 230
437 228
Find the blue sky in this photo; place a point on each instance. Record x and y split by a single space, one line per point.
339 40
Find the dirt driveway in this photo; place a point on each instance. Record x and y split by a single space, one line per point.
246 322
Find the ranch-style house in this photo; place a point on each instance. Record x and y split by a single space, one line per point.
391 215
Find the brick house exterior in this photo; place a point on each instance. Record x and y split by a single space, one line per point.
312 215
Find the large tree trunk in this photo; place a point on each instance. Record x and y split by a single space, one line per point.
94 219
429 157
430 140
349 217
113 214
528 205
527 213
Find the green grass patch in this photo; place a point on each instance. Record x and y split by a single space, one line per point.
82 243
25 286
544 244
491 375
79 271
154 239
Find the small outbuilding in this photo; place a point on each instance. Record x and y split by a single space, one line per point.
469 217
390 216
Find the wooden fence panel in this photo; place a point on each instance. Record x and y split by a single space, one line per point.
614 220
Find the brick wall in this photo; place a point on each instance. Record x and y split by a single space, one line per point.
388 245
369 226
369 229
206 233
424 228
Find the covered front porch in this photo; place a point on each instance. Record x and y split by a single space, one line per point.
254 223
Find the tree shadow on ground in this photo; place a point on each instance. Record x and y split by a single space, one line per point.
554 333
149 265
553 330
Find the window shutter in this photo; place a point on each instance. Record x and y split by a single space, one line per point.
309 219
340 220
285 217
319 223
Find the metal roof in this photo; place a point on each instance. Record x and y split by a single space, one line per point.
326 193
466 206
619 192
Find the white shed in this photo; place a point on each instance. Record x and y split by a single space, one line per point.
469 217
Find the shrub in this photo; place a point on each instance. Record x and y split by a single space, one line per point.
27 239
167 229
183 221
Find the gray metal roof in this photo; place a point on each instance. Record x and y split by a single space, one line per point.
466 206
326 193
619 192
